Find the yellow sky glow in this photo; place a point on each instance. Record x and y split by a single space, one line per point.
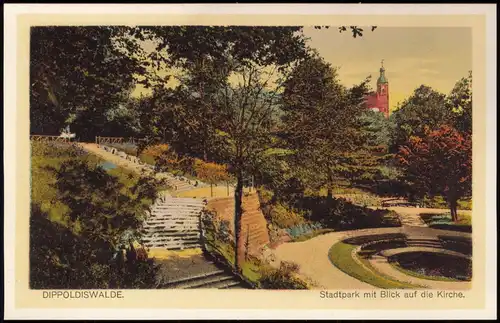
434 56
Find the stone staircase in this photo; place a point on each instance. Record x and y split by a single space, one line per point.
181 183
413 220
174 224
219 279
428 242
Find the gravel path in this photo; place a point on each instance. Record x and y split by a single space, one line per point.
312 256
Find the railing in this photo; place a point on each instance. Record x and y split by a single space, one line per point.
108 140
116 140
44 138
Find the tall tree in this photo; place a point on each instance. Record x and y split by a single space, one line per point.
321 120
79 73
459 101
245 127
439 162
425 108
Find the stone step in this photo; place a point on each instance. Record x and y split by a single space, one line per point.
176 211
184 280
425 244
180 206
224 283
171 221
184 199
177 246
181 229
412 244
178 239
177 208
173 217
170 226
217 279
172 201
172 236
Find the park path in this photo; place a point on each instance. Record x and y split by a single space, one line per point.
115 159
172 231
312 256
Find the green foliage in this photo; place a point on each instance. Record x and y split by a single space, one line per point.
282 217
79 75
340 255
314 100
285 277
424 108
377 128
445 221
439 202
81 218
340 214
459 101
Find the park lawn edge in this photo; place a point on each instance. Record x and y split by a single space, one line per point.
340 257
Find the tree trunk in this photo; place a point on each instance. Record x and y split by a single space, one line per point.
211 190
227 186
453 209
238 213
329 193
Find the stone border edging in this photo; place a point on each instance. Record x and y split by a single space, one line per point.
354 252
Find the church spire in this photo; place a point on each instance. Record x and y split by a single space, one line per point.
381 78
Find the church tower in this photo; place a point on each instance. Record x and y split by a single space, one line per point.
383 92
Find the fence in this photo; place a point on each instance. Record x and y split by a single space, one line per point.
44 138
116 140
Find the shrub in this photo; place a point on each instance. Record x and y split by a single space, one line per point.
438 202
79 212
156 150
285 277
282 217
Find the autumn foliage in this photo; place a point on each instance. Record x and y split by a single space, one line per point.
156 150
439 162
211 172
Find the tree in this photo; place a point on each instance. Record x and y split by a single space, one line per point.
377 129
425 108
93 198
211 173
321 121
439 162
459 102
226 121
77 74
245 127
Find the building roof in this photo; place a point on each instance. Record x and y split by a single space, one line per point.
382 79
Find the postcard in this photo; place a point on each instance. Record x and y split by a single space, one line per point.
250 161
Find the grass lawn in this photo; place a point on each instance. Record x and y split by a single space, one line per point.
43 191
340 256
250 270
444 222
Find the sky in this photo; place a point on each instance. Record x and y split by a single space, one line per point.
434 56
